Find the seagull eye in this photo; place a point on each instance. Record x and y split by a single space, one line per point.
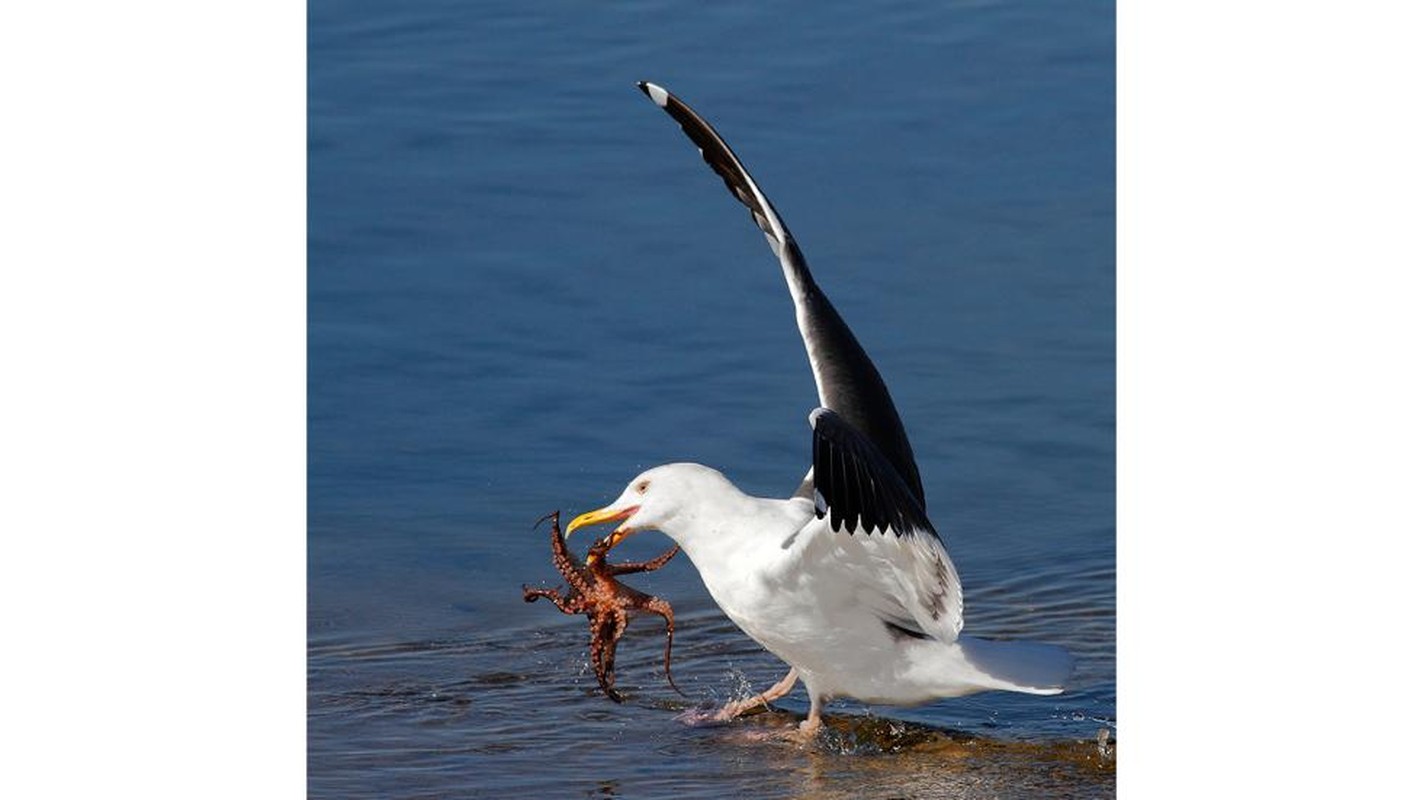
641 487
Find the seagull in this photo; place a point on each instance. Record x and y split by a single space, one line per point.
846 580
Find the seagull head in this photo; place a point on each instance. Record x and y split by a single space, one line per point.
656 499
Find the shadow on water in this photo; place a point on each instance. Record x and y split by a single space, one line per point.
873 756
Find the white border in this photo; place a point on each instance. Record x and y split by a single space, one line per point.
152 324
153 314
1269 403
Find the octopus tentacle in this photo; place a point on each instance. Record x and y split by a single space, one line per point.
564 562
662 608
645 566
604 648
568 605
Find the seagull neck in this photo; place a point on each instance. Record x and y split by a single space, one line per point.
715 535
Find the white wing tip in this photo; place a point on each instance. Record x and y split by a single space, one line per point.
657 93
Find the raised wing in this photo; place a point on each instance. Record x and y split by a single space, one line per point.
845 378
907 573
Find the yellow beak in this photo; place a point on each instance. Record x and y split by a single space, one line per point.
600 516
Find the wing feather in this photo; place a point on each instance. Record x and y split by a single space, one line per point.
868 503
846 380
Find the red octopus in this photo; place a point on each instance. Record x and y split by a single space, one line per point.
594 590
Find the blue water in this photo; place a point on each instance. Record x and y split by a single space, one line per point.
525 287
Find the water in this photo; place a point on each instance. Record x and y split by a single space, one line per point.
525 287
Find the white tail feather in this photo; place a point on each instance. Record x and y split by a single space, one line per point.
1030 667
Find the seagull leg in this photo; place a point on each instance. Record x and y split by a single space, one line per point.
811 725
738 707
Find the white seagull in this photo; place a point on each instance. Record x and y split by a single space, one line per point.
847 580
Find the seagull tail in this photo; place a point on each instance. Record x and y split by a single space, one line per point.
1030 667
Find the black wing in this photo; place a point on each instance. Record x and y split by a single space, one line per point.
857 486
864 497
845 378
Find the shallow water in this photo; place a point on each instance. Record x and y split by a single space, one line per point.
525 287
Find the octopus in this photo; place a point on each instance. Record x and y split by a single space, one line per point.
593 590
